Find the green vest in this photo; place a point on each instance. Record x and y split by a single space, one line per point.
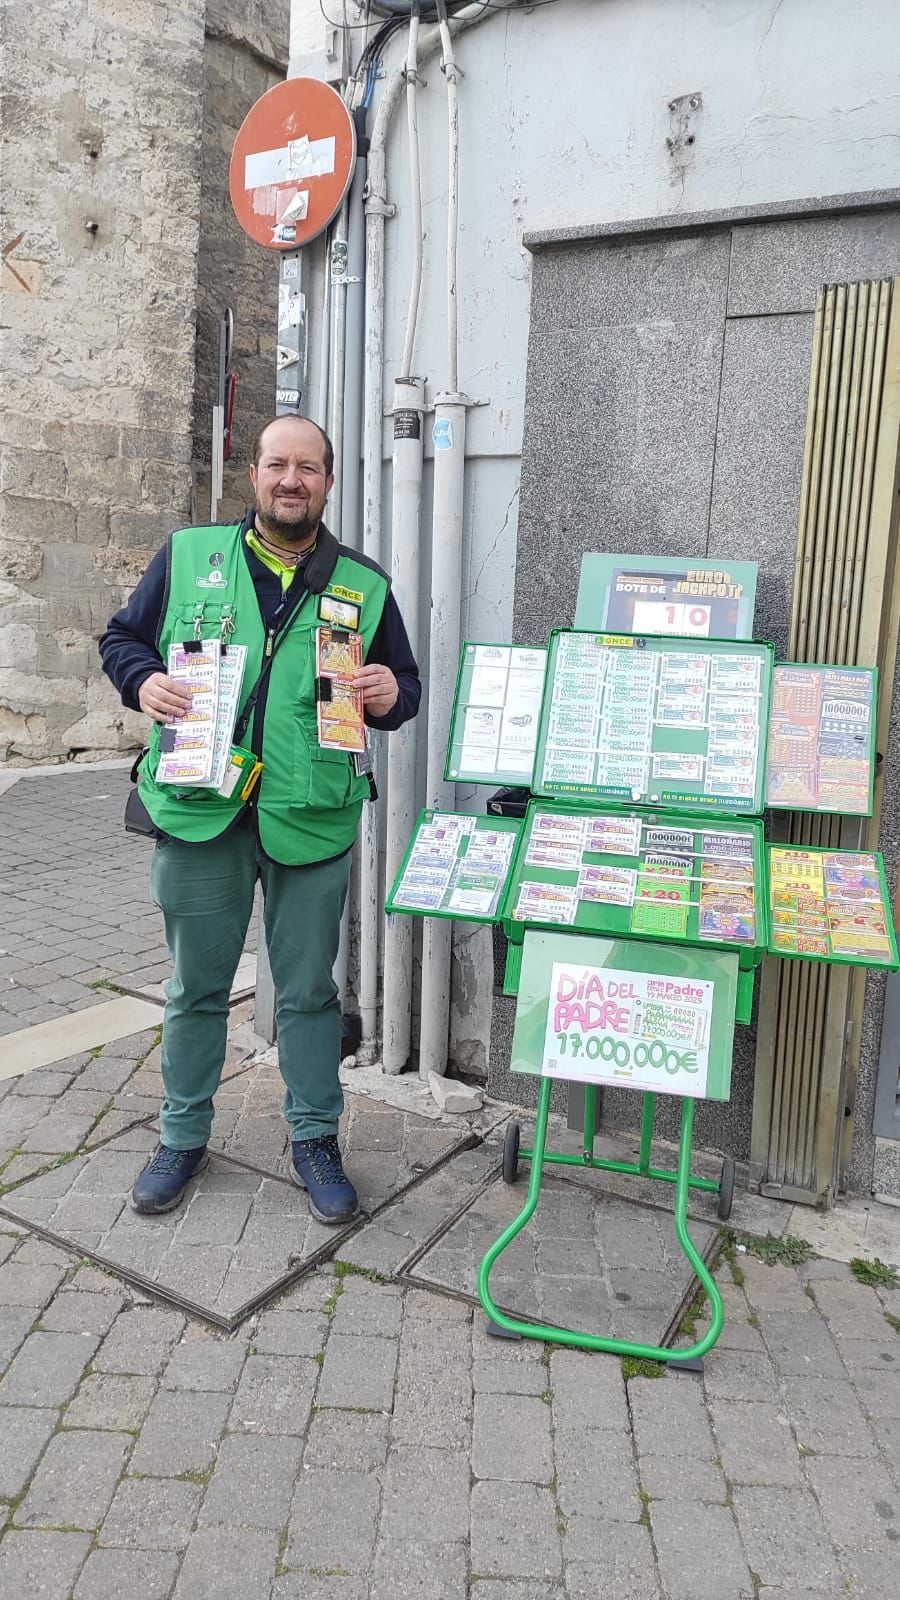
308 800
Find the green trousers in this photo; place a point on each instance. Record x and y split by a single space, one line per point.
205 893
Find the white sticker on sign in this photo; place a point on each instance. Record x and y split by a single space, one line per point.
637 1030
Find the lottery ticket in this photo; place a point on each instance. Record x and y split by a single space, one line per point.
613 836
680 769
544 902
187 746
609 885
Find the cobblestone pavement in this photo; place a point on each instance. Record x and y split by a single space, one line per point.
362 1438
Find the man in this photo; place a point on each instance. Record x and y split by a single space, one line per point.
267 583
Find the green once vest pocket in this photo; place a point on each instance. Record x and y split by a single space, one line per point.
322 778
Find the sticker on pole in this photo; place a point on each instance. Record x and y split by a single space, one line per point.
442 434
626 1015
292 163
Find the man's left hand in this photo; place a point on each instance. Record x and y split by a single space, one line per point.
380 690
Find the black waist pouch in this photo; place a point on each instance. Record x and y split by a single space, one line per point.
137 817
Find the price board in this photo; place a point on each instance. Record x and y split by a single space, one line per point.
635 719
496 711
830 905
821 741
612 1012
455 866
643 594
659 876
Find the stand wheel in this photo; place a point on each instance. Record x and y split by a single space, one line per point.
726 1189
511 1140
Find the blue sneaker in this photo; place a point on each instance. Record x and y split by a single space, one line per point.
316 1166
162 1182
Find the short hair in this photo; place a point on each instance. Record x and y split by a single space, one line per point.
294 416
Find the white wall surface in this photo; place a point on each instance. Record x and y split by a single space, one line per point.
564 119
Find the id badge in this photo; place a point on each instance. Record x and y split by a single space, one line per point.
340 613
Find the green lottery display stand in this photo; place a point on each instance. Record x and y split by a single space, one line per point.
638 895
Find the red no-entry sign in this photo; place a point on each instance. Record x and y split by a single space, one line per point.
292 162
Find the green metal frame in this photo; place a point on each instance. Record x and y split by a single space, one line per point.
682 1180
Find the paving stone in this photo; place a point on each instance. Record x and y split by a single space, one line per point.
8 1242
72 1312
739 1375
205 1364
151 1514
432 1402
622 1552
668 1478
873 1574
112 1574
227 1565
274 1395
57 1135
368 1308
669 1417
887 1432
502 1589
47 1369
756 1443
359 1371
879 1392
253 1483
800 1346
215 1219
290 1333
24 1285
15 1323
139 1341
180 1434
333 1520
596 1476
827 1418
785 1538
24 1431
588 1391
426 1496
40 1566
109 1400
75 1482
511 1439
514 1532
699 1552
38 1252
876 1354
773 1288
508 1368
861 1510
852 1310
299 1586
347 1441
415 1571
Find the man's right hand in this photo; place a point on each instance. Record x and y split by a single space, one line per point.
162 698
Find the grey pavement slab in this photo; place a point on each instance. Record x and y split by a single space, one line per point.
385 1149
24 1432
567 1266
40 1566
515 1531
75 1482
333 1521
699 1552
230 1564
420 1571
151 1514
112 1574
785 1539
623 1552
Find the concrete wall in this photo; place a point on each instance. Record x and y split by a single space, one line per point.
117 117
567 111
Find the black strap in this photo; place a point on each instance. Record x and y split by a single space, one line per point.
243 721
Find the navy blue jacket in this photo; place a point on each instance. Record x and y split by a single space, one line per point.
129 653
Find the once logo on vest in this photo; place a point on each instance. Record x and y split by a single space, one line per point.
216 580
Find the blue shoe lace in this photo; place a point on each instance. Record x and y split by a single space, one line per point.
166 1160
324 1157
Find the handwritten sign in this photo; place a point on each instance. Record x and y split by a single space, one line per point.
638 1030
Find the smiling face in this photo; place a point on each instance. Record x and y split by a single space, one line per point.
291 480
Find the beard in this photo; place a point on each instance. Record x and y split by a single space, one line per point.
296 529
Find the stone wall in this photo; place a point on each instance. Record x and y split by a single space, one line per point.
246 53
118 117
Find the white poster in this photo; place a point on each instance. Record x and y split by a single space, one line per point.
634 1030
